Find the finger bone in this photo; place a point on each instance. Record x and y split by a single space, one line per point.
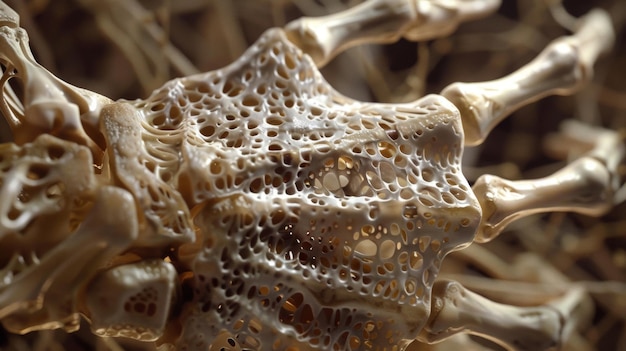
561 68
382 21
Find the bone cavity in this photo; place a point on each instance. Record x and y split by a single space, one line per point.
44 296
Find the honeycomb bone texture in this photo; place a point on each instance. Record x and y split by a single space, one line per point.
324 219
256 208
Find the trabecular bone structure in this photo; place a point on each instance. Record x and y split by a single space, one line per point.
256 208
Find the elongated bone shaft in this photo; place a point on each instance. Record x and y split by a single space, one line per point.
562 68
456 309
587 186
382 21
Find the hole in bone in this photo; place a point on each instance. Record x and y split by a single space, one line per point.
416 261
55 190
157 107
423 243
426 202
175 113
387 173
55 152
428 175
447 198
274 120
290 61
435 245
366 248
250 101
215 167
15 84
410 211
464 222
387 249
458 193
386 150
281 72
37 172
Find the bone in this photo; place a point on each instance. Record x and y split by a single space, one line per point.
562 68
59 276
8 17
49 105
132 300
587 186
456 309
383 21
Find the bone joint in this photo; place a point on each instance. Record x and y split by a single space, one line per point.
561 68
589 185
383 21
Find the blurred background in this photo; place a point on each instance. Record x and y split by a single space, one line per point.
127 48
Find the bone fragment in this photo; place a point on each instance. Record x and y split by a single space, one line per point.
562 68
382 21
456 309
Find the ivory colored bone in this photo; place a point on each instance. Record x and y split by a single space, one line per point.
132 300
38 297
294 217
561 68
383 21
8 17
49 104
587 186
456 309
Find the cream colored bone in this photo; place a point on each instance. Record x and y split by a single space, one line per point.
383 21
132 300
50 105
561 68
588 185
39 296
456 309
316 221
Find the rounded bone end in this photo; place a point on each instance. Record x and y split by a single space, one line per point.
595 34
478 113
300 33
488 186
584 187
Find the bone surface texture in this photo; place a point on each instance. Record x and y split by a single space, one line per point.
254 207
